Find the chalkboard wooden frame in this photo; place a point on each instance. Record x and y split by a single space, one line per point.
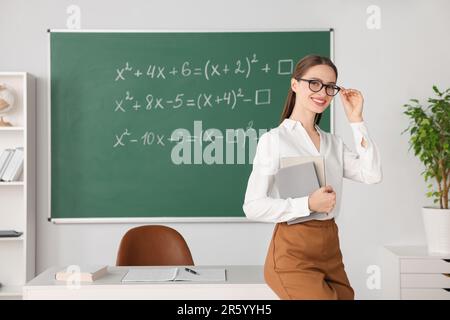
140 220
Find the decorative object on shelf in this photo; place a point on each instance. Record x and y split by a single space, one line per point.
6 103
430 138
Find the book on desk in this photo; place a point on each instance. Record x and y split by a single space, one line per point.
82 273
174 274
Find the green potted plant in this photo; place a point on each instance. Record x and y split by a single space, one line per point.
430 139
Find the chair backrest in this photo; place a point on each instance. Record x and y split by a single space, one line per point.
153 245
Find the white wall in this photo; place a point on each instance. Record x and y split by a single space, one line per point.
402 60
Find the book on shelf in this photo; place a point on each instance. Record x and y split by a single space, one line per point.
11 164
5 156
10 234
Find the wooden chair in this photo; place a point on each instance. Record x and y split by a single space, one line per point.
153 245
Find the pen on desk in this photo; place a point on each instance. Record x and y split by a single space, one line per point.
191 271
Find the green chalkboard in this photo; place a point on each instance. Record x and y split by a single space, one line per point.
165 124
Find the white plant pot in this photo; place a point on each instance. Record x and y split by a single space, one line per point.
437 229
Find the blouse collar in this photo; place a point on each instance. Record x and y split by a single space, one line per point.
291 124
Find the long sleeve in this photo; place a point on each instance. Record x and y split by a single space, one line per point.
258 205
365 165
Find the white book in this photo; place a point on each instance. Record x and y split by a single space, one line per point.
18 168
18 171
203 274
151 274
83 274
13 165
3 156
4 160
8 168
174 274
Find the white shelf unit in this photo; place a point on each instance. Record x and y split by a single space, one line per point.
18 198
12 183
12 239
412 273
11 129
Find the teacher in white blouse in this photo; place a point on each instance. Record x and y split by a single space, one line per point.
304 260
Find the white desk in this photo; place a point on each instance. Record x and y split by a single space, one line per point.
242 282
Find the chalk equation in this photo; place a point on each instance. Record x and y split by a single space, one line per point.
231 98
208 70
210 146
204 84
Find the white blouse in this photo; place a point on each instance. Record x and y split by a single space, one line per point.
262 201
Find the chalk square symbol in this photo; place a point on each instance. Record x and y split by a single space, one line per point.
262 96
285 66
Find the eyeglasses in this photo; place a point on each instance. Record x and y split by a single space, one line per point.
317 85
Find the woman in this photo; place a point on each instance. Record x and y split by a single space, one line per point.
304 260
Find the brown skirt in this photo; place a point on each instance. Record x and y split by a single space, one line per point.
304 261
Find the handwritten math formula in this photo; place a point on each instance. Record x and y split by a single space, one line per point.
245 73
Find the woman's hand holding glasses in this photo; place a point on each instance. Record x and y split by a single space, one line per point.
352 100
